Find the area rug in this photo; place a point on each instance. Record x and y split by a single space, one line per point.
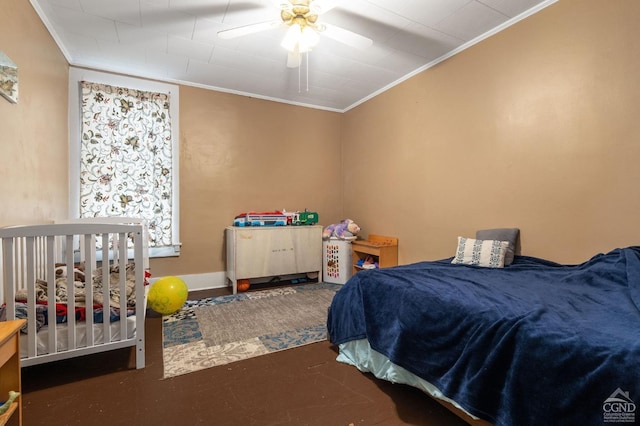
220 330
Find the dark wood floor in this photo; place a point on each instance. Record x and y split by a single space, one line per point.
301 386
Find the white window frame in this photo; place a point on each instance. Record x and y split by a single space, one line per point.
76 75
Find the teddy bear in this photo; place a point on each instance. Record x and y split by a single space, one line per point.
345 229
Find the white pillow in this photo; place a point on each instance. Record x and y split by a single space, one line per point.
511 235
486 253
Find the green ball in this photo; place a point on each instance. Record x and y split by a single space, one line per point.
167 295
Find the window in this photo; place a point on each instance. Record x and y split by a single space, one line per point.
124 153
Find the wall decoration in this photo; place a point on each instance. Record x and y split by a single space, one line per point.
8 79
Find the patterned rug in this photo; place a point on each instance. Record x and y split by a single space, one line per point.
220 330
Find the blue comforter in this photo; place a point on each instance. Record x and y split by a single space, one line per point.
535 343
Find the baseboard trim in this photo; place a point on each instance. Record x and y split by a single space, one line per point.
197 282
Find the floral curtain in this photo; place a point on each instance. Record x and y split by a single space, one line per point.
126 157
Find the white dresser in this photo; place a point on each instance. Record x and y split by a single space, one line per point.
269 251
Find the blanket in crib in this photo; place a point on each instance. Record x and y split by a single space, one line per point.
78 282
62 314
74 282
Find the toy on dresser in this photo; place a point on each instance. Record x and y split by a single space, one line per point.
343 230
276 218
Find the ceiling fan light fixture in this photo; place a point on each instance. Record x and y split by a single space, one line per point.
300 38
309 38
291 38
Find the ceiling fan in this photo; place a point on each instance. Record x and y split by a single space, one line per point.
304 30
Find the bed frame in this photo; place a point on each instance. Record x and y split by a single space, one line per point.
30 253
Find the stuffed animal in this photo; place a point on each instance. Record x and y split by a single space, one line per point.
345 229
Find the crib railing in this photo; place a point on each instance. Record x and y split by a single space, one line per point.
30 254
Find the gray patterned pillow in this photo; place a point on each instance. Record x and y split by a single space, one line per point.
503 234
486 253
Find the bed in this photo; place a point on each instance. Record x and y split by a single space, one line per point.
80 285
531 343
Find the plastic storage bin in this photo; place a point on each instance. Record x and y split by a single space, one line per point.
336 260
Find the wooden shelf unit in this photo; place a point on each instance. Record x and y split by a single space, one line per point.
383 249
10 378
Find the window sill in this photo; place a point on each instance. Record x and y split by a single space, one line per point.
170 251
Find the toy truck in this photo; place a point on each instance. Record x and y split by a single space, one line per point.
304 218
275 218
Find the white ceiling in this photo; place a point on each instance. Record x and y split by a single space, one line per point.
176 41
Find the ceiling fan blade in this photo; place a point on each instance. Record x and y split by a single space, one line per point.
323 6
294 59
282 4
248 29
345 36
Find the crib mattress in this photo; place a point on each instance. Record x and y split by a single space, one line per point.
62 331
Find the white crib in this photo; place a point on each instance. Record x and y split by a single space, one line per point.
39 264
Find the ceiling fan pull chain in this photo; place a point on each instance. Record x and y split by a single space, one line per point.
298 79
307 55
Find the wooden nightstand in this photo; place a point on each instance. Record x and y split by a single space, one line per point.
10 369
383 249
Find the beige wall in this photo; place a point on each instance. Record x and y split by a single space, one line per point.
33 132
536 127
236 154
240 154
